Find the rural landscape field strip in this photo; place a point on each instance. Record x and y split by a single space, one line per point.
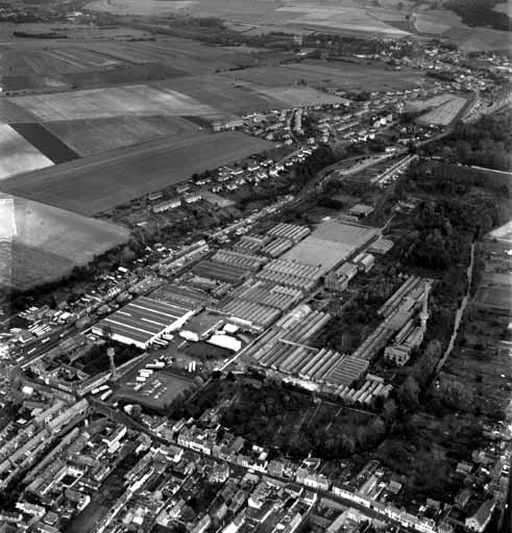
17 155
131 100
88 137
44 141
98 183
320 74
10 112
50 241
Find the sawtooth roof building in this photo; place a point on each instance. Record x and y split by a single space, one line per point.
142 321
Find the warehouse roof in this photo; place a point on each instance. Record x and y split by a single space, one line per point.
203 323
329 244
142 319
222 272
361 210
182 296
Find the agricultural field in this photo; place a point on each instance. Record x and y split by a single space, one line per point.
130 100
383 17
223 93
17 155
316 73
477 39
135 7
99 183
184 55
74 32
11 113
49 242
346 15
88 137
299 96
436 21
44 141
353 18
30 67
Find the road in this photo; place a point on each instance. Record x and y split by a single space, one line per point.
38 348
459 314
505 523
122 418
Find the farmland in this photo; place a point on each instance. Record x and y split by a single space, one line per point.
44 141
18 155
10 113
89 137
350 76
350 15
86 63
216 96
130 100
49 242
99 183
389 18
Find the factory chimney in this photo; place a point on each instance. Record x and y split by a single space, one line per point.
110 354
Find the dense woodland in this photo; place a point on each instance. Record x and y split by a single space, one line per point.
486 143
480 13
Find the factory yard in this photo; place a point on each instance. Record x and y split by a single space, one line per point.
99 183
158 391
444 114
48 242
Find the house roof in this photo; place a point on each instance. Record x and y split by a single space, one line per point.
484 512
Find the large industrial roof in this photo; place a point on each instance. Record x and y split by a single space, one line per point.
329 244
143 319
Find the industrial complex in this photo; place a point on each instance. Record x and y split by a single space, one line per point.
252 288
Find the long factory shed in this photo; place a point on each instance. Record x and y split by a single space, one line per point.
142 321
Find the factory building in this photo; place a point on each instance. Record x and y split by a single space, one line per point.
292 232
142 322
396 312
250 243
166 205
380 247
182 296
360 210
291 273
277 247
339 279
331 244
410 336
232 274
239 259
201 326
